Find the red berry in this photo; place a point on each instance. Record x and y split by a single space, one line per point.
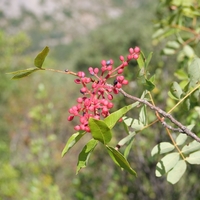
77 128
110 105
135 56
136 49
96 70
125 82
70 118
81 74
83 90
103 62
79 100
121 58
110 97
109 68
131 50
120 71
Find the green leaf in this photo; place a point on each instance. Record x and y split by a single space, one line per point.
72 141
163 147
23 73
141 60
188 50
173 44
85 154
100 131
181 139
194 158
126 139
163 33
148 60
120 160
143 115
168 51
113 118
191 147
181 74
166 163
176 90
129 146
194 76
133 123
39 60
149 85
177 172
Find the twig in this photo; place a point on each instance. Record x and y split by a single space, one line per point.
181 128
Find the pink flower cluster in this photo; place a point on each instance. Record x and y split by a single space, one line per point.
97 93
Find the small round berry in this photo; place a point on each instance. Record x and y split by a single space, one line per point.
110 105
115 90
125 82
125 63
96 70
129 57
79 100
94 85
77 81
82 127
136 49
103 62
83 120
119 85
111 62
121 58
131 50
77 128
110 97
90 69
103 69
70 118
120 71
96 117
87 129
135 56
120 78
83 90
109 68
105 110
81 74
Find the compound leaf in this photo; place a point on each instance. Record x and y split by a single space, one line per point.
163 147
176 90
191 147
181 139
194 158
166 163
177 172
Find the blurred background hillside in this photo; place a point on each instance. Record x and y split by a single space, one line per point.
34 110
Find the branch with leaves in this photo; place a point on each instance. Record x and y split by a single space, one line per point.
93 109
181 129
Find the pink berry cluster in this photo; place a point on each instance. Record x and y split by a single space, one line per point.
97 93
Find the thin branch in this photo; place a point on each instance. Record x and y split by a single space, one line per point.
181 128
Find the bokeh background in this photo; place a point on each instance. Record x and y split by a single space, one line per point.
34 110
